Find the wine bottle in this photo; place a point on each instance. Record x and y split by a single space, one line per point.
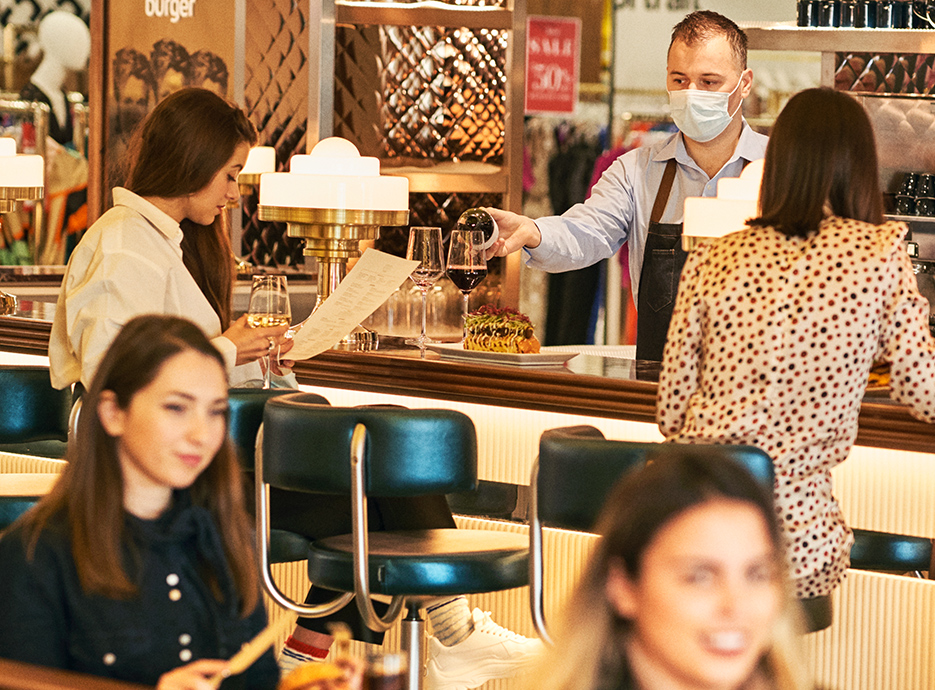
479 219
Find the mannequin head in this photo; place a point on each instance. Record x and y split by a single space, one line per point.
65 39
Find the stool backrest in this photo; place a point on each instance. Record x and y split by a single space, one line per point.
246 414
30 408
307 447
578 467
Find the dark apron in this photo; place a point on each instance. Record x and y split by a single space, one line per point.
663 259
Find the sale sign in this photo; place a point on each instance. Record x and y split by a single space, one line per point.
553 46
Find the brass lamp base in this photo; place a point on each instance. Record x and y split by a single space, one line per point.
248 182
8 303
361 339
10 195
333 236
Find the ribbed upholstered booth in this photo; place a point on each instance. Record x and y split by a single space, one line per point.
576 469
33 421
386 452
246 416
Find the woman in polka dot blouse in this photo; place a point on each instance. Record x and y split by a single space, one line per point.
139 564
776 327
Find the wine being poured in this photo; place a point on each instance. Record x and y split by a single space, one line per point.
467 264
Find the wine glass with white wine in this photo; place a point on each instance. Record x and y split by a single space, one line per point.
269 306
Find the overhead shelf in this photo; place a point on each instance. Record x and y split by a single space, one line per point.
425 13
764 36
459 178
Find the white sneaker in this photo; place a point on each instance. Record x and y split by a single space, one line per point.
491 651
289 660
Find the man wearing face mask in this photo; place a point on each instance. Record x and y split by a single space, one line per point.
640 198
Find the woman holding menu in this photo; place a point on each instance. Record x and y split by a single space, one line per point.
164 247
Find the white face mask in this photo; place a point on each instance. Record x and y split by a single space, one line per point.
702 115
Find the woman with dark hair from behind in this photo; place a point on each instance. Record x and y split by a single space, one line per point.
777 326
164 247
686 588
139 565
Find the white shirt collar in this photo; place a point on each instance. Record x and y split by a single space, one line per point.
160 220
747 148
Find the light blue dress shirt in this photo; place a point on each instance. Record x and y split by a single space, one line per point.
621 202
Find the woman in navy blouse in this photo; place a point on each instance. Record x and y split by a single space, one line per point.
139 564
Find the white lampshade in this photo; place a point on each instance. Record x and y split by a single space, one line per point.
737 200
261 159
19 170
334 176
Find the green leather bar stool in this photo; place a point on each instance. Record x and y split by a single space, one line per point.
384 452
891 553
576 469
33 421
33 415
246 415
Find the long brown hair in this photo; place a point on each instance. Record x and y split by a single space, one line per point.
180 147
821 156
592 634
90 491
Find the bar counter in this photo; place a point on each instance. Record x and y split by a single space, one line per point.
588 385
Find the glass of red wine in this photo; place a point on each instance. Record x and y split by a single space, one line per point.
467 264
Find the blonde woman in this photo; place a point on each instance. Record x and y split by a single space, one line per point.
686 589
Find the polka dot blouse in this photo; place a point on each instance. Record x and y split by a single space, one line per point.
771 344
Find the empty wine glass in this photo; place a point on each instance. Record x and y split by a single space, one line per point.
269 306
467 265
425 246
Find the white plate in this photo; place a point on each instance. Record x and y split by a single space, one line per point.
538 359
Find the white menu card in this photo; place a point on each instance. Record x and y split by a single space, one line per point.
366 286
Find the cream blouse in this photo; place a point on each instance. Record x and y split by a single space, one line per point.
128 263
771 344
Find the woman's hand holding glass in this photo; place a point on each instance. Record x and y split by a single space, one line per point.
253 343
269 308
467 264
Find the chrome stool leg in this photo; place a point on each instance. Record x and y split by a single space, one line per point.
412 642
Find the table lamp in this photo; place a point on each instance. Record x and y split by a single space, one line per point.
261 159
21 179
737 200
333 198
